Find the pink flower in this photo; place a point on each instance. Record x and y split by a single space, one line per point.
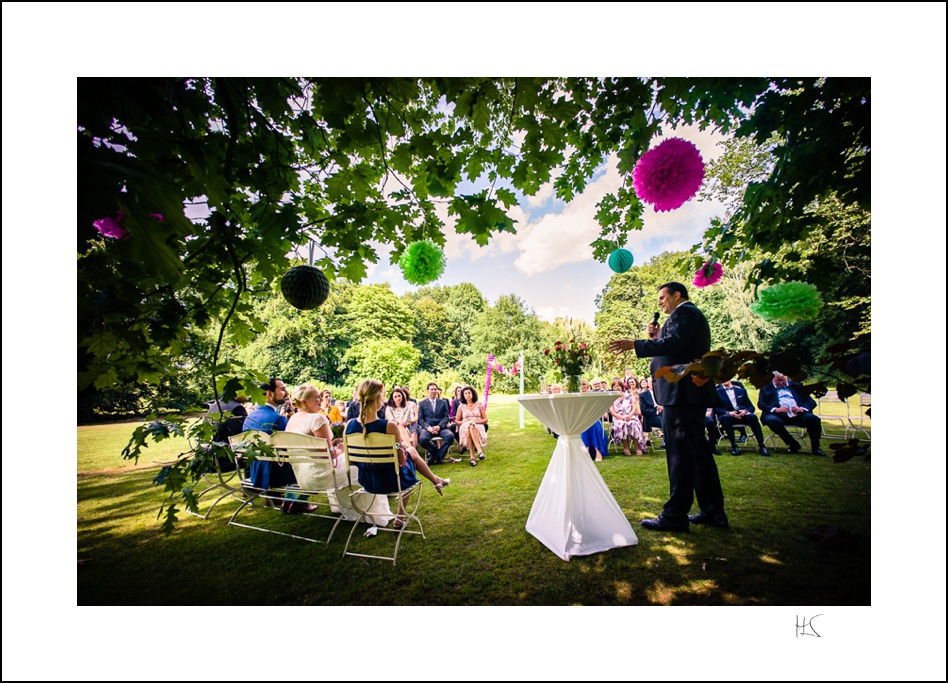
668 175
582 345
704 278
110 226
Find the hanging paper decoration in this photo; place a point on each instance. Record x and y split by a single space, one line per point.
490 367
422 262
788 301
668 175
708 274
110 226
497 367
305 287
620 260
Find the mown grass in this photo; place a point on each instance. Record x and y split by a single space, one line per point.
477 551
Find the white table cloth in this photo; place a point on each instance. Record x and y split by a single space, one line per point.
574 512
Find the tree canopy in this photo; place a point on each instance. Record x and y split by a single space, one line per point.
216 180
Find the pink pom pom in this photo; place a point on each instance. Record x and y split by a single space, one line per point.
703 278
669 175
110 226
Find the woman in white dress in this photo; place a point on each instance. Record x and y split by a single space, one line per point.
471 418
309 420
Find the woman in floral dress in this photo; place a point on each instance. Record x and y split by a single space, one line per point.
627 418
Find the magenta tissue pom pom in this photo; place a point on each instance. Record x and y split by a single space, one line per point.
668 175
110 226
703 278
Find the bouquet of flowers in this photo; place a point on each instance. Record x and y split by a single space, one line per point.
570 360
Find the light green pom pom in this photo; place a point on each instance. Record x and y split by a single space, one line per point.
422 262
788 301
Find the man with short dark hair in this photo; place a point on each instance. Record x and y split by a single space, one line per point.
685 337
434 435
267 418
783 403
736 408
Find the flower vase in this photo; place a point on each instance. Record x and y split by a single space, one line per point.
572 384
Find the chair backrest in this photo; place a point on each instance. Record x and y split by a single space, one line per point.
239 443
310 458
375 450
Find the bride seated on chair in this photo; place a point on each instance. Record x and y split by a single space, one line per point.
381 481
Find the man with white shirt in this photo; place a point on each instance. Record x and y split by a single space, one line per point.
783 403
736 408
433 418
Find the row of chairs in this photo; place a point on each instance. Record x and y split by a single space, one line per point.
317 480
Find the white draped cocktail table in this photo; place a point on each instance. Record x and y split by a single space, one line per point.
574 512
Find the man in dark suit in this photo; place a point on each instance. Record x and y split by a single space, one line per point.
783 403
434 435
684 337
736 408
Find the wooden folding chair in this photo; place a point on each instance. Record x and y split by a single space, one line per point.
380 451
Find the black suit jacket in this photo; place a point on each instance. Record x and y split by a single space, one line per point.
647 406
685 337
743 400
428 417
768 399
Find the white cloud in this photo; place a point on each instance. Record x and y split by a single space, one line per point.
551 313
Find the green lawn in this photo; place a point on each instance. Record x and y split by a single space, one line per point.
477 551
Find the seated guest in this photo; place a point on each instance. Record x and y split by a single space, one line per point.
352 407
736 408
651 413
328 408
413 428
226 425
382 480
455 393
434 435
783 403
627 419
471 421
267 418
309 418
594 438
714 434
400 410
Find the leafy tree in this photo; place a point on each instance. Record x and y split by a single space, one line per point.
392 361
264 165
375 311
505 329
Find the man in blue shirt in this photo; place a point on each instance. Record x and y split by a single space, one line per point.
783 403
267 419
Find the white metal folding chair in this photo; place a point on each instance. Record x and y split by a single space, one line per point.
380 451
226 483
831 410
857 421
311 460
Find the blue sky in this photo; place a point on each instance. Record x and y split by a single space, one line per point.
549 262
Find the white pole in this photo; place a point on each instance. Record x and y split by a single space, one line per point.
521 388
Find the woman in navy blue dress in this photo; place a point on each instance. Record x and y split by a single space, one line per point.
382 480
594 438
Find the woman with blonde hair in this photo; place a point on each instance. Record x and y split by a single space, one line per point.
382 480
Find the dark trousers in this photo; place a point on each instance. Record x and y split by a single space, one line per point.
435 454
728 422
778 421
691 467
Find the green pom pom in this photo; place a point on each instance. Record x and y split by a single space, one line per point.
422 262
788 301
620 260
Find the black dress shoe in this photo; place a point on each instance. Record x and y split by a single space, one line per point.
719 521
819 451
794 448
663 525
741 439
662 444
735 450
714 449
764 451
